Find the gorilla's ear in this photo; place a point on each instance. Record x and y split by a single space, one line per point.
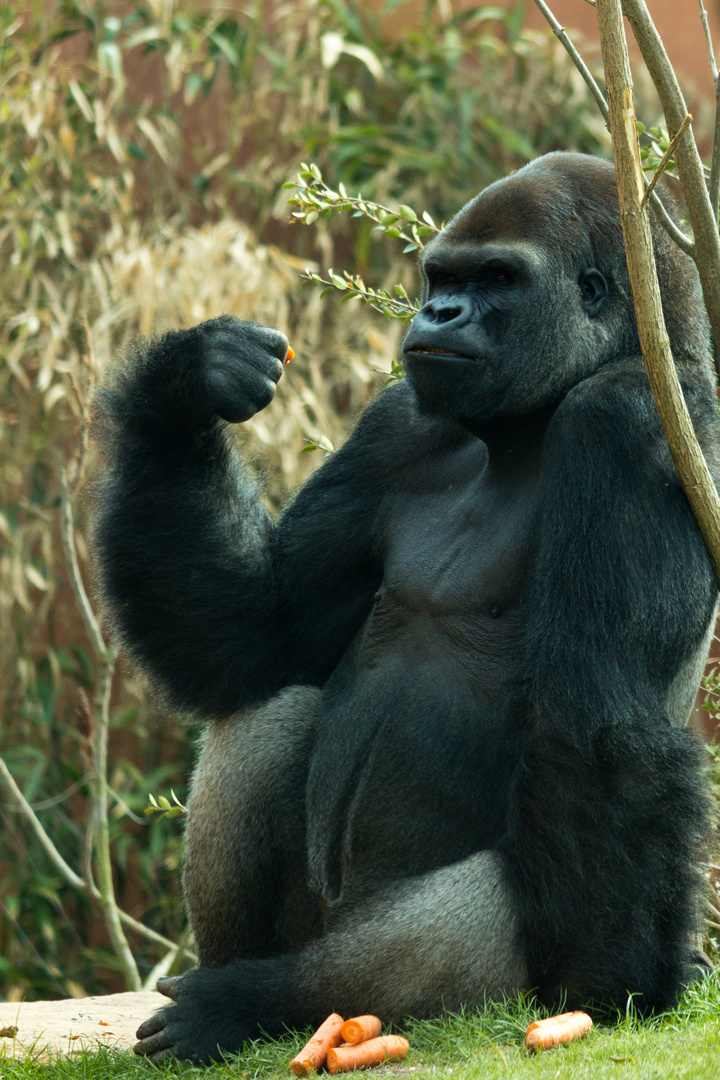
593 287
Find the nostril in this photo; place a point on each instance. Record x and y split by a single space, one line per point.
447 314
441 312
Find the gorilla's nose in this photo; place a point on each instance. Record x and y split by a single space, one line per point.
450 312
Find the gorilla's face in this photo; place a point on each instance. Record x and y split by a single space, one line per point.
515 311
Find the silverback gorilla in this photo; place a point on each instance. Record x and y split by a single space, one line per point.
446 756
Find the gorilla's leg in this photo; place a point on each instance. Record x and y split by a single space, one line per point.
425 943
245 863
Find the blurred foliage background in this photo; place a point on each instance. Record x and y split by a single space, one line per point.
143 148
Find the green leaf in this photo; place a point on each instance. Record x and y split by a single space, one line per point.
388 219
311 217
393 233
409 247
309 448
407 213
289 184
338 282
315 171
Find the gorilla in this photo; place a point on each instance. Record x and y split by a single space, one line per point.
446 692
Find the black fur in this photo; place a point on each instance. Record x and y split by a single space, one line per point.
501 594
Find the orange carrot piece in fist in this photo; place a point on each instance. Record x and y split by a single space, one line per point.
289 355
372 1052
361 1028
313 1055
557 1029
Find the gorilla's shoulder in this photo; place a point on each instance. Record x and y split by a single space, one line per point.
395 422
616 406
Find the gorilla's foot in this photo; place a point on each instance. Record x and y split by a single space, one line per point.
697 968
216 1010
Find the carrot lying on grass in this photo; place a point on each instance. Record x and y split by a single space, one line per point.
557 1029
361 1028
372 1052
314 1053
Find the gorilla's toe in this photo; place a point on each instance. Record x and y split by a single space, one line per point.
215 1010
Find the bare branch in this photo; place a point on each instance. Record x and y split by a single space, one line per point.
662 164
69 874
152 935
67 533
674 232
577 59
708 39
706 251
683 242
714 182
67 871
662 374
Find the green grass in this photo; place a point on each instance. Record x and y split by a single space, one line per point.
488 1044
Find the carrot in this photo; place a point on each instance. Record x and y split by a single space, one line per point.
313 1055
557 1029
372 1052
289 355
361 1028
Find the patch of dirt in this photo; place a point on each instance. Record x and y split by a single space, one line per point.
47 1029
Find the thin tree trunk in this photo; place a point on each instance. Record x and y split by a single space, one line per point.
677 425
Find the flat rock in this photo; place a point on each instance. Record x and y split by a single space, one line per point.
48 1029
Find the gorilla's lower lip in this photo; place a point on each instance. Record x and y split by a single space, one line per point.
426 350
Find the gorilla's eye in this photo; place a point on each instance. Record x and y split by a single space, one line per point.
498 278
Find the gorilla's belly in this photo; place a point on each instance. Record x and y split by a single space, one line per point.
387 789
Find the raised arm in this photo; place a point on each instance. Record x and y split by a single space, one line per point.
219 607
609 807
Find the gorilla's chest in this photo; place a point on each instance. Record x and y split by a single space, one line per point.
421 718
457 552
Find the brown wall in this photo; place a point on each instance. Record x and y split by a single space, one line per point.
678 22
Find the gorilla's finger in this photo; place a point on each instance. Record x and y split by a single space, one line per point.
153 1024
236 399
161 1041
278 343
161 1056
169 985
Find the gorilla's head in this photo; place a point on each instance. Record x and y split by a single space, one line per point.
526 292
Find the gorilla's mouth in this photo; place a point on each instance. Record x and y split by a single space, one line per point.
431 350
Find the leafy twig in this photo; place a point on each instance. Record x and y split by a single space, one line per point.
399 306
662 164
314 198
164 807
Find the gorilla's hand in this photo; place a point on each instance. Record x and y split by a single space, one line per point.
216 1010
242 362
